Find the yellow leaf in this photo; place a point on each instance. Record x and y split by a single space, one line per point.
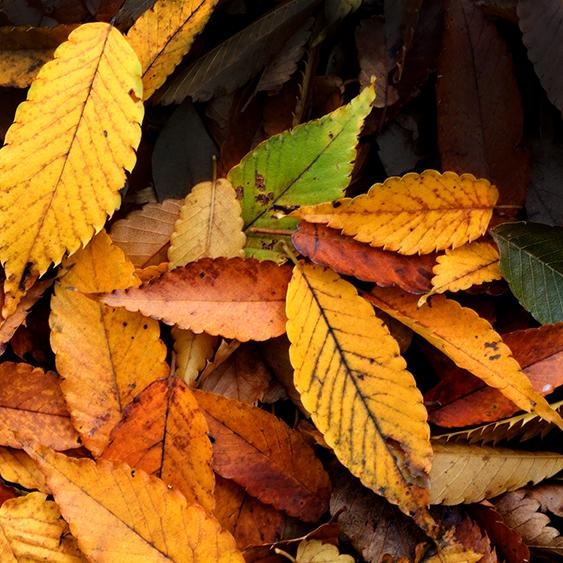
164 34
355 384
470 341
460 268
315 551
418 213
121 514
210 225
65 154
105 356
34 531
472 473
17 467
192 352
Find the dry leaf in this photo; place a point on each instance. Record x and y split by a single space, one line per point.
315 551
193 351
17 467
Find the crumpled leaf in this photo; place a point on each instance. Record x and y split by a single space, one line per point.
472 473
210 225
213 296
417 213
163 34
31 529
531 260
315 551
261 453
142 518
350 376
165 434
192 352
470 341
66 154
306 165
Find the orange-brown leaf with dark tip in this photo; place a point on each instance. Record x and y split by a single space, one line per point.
231 297
328 247
261 453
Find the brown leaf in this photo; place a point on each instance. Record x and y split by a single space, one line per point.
158 429
327 247
479 106
214 296
270 460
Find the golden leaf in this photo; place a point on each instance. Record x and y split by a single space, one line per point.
470 341
460 268
192 352
355 384
210 225
105 356
472 473
31 529
140 519
163 35
418 213
65 154
17 467
315 551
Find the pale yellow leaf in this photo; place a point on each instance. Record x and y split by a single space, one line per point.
66 153
193 351
466 474
34 531
315 551
354 382
163 35
210 225
418 213
460 268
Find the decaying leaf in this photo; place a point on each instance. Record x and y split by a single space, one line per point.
417 213
350 375
65 155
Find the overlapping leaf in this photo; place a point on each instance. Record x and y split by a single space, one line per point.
192 352
418 213
66 153
164 34
141 518
214 296
350 375
469 341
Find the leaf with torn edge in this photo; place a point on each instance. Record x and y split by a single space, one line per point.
355 384
213 295
142 518
417 213
470 341
66 153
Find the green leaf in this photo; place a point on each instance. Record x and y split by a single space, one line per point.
310 164
531 261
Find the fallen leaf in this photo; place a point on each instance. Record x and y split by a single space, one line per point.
87 108
213 295
315 551
262 454
417 213
350 375
142 518
156 432
193 351
17 467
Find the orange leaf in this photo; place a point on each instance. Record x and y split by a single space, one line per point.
343 254
270 460
158 429
32 406
122 514
17 467
232 297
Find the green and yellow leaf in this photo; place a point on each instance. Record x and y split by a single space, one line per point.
354 382
417 213
66 153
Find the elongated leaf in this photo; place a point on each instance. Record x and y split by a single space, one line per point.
240 57
262 454
473 473
418 213
210 225
355 384
141 519
158 430
66 153
470 341
307 165
164 34
214 296
531 260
